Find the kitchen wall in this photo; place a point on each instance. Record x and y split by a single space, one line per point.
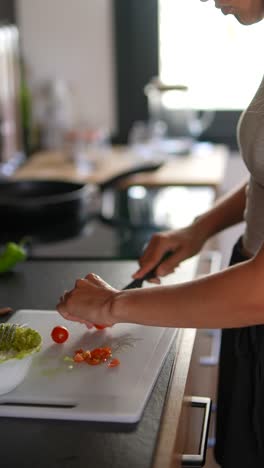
73 40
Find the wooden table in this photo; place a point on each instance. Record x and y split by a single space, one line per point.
205 165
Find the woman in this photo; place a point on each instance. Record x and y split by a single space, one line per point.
232 299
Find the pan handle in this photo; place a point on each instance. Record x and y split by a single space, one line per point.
138 169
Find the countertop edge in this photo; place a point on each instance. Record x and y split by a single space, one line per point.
169 427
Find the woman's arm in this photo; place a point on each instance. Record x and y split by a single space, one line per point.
186 242
226 212
231 298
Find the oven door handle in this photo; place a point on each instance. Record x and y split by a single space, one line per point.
199 459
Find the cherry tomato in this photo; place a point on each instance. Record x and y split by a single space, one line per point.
60 334
100 327
96 356
92 361
101 353
113 363
78 357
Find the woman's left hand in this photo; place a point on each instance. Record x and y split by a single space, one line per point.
89 302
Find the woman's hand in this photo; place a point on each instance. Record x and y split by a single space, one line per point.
89 302
183 244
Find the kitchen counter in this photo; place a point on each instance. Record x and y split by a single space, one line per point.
203 165
153 442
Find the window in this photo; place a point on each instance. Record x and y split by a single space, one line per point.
219 59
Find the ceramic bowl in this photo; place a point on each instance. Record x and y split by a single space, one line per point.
15 364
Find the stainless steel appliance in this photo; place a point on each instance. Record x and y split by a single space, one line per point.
11 151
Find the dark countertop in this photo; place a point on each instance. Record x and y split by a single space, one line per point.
54 444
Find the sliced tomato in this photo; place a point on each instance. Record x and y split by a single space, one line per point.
86 354
60 334
100 327
113 363
78 357
97 353
101 353
95 356
93 361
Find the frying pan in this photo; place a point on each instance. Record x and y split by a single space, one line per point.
41 202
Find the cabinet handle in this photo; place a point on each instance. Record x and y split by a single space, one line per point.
215 259
199 460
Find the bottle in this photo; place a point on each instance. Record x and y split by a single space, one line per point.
25 109
59 115
30 129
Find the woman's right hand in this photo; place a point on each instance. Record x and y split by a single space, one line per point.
182 244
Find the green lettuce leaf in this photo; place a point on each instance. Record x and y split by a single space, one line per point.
26 341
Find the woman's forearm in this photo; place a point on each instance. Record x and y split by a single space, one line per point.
226 212
227 299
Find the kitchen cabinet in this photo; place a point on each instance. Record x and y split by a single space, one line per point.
184 440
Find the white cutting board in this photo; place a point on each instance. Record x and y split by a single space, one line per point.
55 389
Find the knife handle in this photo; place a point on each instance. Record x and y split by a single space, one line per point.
152 273
137 283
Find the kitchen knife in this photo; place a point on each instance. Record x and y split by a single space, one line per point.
137 283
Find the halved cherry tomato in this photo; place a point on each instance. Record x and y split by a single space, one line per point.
96 356
101 353
100 327
113 363
78 357
93 361
86 354
60 334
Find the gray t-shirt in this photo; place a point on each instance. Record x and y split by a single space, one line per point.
250 134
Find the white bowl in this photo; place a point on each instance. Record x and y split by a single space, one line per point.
13 372
15 360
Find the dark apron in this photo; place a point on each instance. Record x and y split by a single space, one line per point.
240 403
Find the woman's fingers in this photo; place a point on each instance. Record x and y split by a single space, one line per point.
72 318
163 269
148 262
159 245
96 280
154 280
169 265
88 302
